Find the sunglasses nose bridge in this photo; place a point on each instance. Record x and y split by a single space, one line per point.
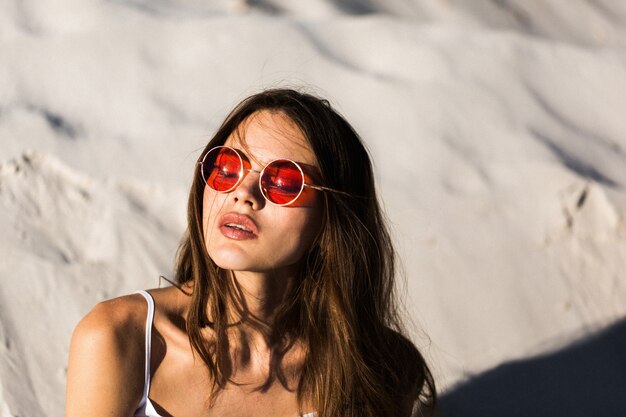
247 189
246 170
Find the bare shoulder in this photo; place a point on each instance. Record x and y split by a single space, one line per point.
118 321
106 365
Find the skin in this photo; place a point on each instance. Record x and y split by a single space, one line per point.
106 360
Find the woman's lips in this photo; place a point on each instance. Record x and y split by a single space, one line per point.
238 227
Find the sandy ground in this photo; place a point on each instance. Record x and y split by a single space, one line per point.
498 135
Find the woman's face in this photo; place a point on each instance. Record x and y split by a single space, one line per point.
279 236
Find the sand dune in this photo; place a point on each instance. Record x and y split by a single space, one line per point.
497 131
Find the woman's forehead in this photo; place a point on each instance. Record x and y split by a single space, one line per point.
265 136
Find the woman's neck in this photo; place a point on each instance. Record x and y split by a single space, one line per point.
263 293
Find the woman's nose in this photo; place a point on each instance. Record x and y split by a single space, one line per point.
248 191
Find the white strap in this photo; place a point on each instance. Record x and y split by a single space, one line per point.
149 319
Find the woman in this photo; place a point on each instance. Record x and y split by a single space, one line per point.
284 299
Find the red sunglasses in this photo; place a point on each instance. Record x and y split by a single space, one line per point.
281 181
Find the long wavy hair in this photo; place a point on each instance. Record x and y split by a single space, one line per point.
343 308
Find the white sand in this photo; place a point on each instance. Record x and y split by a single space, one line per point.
498 134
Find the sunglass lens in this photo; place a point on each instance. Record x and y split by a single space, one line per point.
221 169
282 182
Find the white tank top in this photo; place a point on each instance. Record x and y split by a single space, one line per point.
145 408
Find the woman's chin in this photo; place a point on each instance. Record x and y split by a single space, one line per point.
238 262
233 263
235 259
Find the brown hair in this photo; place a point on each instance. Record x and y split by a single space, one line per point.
343 308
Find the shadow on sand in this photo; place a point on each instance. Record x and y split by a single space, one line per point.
587 378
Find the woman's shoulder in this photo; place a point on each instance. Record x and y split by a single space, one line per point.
125 316
106 358
111 335
116 327
119 318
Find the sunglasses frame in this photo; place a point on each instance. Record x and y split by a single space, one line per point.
243 172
